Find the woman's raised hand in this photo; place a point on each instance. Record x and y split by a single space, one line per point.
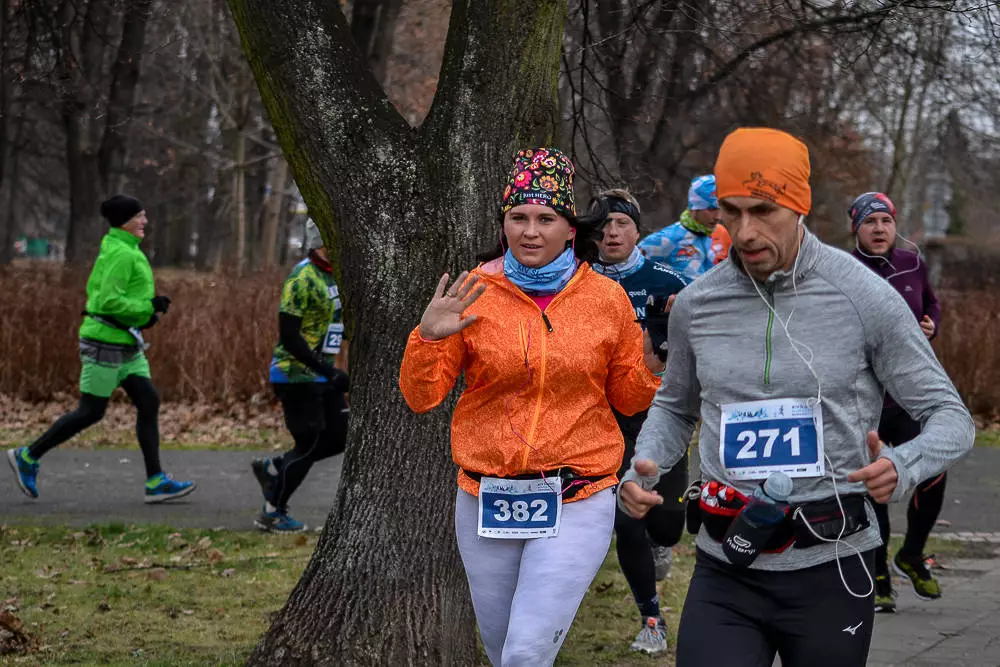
443 315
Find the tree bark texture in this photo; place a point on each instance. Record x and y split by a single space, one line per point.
398 206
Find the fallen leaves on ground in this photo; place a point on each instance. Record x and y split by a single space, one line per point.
48 573
250 424
13 637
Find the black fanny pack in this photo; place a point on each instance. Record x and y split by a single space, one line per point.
805 525
572 483
109 354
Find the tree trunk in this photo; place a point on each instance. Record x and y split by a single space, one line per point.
240 201
124 79
97 110
278 181
85 224
13 218
398 207
7 226
373 24
215 244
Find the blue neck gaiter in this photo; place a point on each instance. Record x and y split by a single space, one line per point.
548 279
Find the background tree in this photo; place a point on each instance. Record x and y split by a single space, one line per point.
98 51
651 89
400 206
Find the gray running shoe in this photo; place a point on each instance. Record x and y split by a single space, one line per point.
663 559
652 638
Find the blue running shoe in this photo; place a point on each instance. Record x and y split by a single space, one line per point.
25 471
278 521
162 487
268 481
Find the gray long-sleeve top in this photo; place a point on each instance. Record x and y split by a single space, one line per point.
726 347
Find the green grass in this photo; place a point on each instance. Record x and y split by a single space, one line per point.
132 595
989 437
149 595
128 595
608 620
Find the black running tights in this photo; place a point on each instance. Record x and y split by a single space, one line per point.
896 428
91 409
663 526
316 415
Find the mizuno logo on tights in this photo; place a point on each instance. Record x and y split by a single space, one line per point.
854 629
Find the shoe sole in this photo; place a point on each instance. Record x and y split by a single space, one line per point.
880 609
153 500
902 573
265 528
12 460
647 651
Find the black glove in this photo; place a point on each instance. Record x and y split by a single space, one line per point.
656 323
337 378
161 304
153 319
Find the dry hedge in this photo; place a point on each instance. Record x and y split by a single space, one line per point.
968 346
214 345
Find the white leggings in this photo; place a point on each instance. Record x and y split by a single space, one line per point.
526 592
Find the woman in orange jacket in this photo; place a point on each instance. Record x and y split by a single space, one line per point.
547 346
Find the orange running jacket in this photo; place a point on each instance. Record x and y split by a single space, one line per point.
536 399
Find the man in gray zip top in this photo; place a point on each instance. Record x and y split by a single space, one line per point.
785 352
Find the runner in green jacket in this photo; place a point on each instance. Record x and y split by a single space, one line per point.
121 301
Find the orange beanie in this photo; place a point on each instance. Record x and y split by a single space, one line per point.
765 164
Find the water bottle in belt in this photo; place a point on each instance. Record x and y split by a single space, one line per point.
756 523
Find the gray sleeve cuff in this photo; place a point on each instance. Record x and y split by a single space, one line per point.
905 481
646 483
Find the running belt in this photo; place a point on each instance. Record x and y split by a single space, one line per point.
114 323
107 354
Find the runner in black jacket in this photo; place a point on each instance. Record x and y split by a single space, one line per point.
643 545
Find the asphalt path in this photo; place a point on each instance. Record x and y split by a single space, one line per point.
79 487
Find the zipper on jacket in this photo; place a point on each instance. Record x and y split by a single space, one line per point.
538 407
767 342
525 341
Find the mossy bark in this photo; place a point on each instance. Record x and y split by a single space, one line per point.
399 205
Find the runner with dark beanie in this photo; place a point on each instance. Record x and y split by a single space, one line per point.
121 301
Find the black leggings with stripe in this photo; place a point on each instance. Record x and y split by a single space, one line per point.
316 415
896 428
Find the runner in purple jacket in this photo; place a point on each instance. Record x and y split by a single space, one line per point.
873 221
